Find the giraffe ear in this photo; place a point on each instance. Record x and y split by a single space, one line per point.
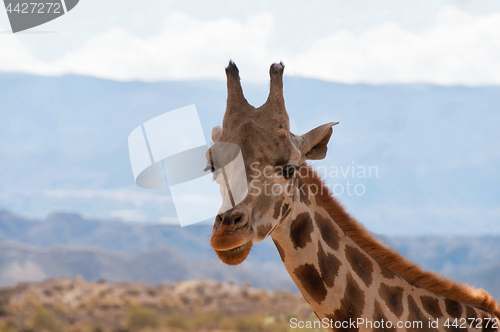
216 133
312 144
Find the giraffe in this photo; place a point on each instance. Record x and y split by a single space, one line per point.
351 280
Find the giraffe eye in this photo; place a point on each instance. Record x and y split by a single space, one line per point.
210 168
215 172
288 171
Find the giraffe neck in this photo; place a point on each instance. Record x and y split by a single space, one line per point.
343 283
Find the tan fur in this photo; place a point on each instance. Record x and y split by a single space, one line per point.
392 260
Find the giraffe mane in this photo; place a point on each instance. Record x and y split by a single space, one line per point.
392 260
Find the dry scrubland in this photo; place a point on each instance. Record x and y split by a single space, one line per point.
62 305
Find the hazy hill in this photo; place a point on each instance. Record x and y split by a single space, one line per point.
73 229
67 245
22 263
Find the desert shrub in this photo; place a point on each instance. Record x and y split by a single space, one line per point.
44 319
242 323
142 317
209 319
121 329
3 309
8 327
79 326
178 321
249 324
202 321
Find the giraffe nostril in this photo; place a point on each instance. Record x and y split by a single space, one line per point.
230 218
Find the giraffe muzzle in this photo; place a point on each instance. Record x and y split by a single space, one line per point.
236 255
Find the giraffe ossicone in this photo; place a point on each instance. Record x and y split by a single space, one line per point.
343 272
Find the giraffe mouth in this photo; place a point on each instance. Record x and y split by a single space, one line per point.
235 256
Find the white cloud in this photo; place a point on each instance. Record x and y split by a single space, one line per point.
15 56
184 48
458 49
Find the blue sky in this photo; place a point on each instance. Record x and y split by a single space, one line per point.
441 42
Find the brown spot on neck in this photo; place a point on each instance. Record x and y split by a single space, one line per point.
311 281
360 264
471 312
393 298
378 316
431 305
415 316
328 231
351 305
301 229
329 266
388 274
453 308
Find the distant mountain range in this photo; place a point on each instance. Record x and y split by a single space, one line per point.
63 147
67 245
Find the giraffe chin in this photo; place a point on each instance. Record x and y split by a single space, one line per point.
236 255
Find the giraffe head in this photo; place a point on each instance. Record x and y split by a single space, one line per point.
271 155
